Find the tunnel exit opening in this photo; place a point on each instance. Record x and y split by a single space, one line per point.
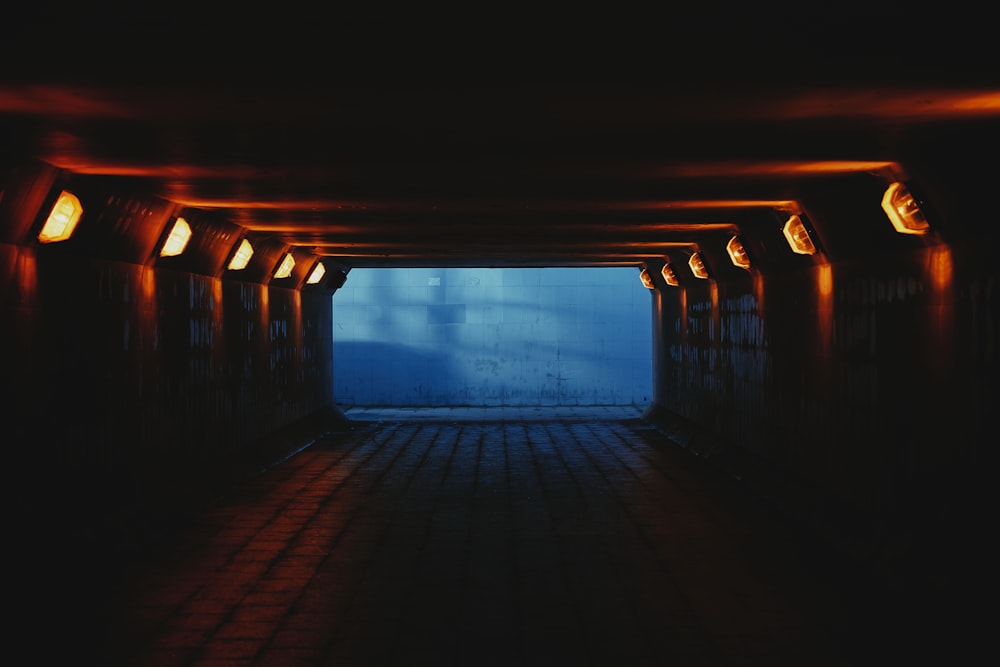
554 336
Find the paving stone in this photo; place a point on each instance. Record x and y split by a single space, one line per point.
479 537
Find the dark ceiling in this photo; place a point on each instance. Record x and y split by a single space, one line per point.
480 156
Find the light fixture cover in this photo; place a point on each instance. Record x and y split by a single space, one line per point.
738 253
177 240
698 267
798 236
903 210
316 274
62 219
646 279
668 274
242 257
286 266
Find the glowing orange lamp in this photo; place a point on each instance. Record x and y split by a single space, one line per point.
62 219
286 266
798 236
903 210
316 274
242 256
698 267
738 253
668 274
177 240
646 279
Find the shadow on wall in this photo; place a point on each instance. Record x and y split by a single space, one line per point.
380 373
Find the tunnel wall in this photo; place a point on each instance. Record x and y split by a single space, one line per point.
858 394
131 376
491 337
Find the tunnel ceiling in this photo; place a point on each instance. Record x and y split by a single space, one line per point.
606 162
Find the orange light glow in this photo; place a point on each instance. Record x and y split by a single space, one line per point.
177 240
646 279
286 266
758 292
713 291
317 274
148 286
738 253
941 268
901 104
798 236
698 267
242 256
825 281
687 204
940 272
684 312
903 211
27 274
62 220
824 308
668 274
771 168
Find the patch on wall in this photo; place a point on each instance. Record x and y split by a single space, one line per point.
448 313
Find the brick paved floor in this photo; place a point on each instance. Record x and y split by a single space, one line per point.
451 538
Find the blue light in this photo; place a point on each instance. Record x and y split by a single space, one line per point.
534 336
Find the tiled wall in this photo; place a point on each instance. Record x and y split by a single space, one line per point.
872 386
510 336
117 364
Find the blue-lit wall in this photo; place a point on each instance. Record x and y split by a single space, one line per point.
538 336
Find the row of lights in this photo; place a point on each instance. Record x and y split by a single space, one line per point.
67 211
898 203
795 233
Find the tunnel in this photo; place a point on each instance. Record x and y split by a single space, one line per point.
820 262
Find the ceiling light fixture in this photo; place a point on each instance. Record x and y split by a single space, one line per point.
698 267
242 256
668 275
903 210
177 240
62 220
738 253
798 236
647 280
285 268
316 274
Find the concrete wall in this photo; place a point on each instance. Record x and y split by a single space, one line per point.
112 364
528 336
119 377
860 395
